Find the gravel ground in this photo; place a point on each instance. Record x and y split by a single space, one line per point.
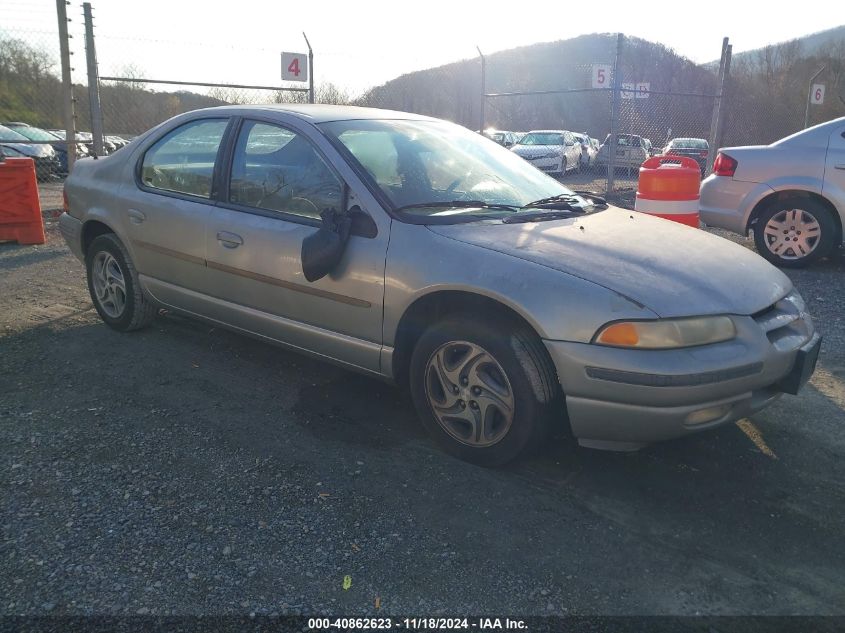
187 470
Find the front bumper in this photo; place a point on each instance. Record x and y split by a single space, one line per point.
71 230
545 164
622 399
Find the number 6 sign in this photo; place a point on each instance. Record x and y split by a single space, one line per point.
294 67
817 94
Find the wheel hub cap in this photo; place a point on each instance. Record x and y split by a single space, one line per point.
469 393
792 234
109 284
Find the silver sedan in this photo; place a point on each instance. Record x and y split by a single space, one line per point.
791 194
413 250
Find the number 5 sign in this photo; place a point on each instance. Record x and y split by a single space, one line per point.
294 67
601 75
817 94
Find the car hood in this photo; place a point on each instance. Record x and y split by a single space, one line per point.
536 150
32 151
672 269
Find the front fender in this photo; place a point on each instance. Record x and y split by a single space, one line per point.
557 305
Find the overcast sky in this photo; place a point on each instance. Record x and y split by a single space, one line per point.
360 43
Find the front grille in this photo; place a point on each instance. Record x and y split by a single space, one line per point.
786 326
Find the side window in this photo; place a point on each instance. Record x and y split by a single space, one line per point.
278 170
183 160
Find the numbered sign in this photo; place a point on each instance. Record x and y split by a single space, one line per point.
642 89
628 90
294 66
602 75
817 94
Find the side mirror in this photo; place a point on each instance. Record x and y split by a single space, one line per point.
322 251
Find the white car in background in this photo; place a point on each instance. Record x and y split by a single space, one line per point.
552 151
791 194
630 151
589 149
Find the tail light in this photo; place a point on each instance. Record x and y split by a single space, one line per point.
724 165
65 205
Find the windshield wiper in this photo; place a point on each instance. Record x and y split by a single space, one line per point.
542 216
560 201
459 204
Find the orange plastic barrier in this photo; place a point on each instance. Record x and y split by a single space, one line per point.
20 206
668 188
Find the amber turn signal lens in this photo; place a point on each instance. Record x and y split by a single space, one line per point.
622 334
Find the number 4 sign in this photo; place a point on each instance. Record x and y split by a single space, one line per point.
817 94
294 67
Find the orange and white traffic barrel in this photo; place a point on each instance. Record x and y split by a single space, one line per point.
668 188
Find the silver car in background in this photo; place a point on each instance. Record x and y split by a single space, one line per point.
414 250
791 194
552 151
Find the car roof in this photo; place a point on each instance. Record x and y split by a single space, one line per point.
547 132
320 113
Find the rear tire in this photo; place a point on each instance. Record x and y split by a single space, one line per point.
497 375
794 232
114 286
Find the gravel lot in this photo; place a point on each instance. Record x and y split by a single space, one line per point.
185 470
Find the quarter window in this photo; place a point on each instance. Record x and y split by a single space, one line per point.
276 169
183 160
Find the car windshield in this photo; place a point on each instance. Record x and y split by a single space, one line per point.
33 133
434 162
624 140
691 143
10 136
542 138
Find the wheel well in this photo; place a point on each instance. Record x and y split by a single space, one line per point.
435 306
92 230
777 196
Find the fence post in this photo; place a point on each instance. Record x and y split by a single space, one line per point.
717 105
310 69
93 82
67 84
720 113
614 113
483 88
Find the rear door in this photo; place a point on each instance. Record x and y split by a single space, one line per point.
278 184
167 208
834 171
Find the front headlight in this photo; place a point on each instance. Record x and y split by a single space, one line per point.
666 333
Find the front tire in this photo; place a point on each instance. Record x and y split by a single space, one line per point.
485 391
794 232
114 287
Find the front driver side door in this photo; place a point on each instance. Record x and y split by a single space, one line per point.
278 185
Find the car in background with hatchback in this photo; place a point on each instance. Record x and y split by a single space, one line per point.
696 148
790 194
551 151
629 151
16 145
43 136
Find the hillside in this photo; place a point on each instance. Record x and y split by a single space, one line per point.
452 91
820 43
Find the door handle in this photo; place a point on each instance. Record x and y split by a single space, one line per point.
229 240
136 217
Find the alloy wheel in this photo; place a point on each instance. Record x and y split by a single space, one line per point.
109 284
469 393
792 234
